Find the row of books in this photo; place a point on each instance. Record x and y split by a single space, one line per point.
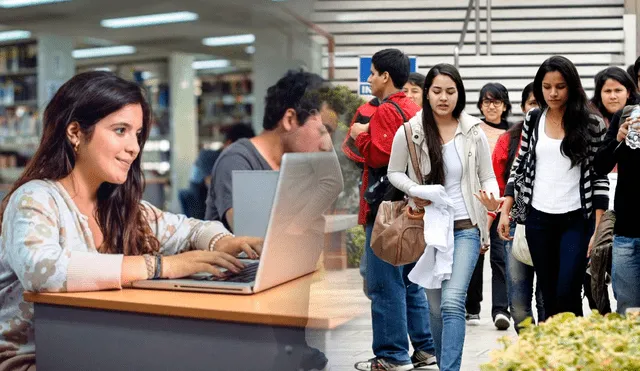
14 58
18 89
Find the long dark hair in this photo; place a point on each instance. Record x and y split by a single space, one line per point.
431 132
619 75
86 99
575 144
515 132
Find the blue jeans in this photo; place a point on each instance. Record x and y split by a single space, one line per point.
363 259
625 272
448 303
398 307
520 286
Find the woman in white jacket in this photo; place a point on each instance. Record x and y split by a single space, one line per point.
454 158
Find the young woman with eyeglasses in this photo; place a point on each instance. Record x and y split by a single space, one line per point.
495 106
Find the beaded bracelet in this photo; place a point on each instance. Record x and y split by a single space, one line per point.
216 238
148 260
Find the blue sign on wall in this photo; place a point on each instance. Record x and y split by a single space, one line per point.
364 70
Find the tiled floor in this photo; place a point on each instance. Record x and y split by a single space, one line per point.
352 342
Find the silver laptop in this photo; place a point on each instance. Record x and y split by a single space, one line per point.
308 184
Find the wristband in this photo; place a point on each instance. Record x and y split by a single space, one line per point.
148 261
158 272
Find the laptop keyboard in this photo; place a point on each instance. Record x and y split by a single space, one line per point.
247 274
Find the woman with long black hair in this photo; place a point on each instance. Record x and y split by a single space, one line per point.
559 196
455 159
74 220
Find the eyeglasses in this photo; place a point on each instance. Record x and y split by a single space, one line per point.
488 102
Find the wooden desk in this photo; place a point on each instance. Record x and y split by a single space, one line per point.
135 329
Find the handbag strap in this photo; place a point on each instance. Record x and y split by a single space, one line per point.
408 132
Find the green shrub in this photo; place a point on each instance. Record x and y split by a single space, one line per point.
355 246
566 342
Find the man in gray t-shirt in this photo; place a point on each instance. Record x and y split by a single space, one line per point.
295 120
241 155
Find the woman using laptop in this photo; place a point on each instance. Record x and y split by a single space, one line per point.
74 220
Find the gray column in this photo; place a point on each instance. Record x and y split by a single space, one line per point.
55 66
183 123
277 51
633 7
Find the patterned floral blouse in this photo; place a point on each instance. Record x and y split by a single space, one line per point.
46 246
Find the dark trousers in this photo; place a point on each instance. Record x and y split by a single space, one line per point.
558 244
499 289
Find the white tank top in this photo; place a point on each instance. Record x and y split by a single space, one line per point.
556 187
453 180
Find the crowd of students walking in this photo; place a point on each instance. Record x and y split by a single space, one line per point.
548 174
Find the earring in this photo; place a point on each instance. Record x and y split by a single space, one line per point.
75 146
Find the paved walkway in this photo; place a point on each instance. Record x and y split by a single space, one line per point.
352 342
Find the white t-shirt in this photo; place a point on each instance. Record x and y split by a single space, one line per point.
453 180
556 187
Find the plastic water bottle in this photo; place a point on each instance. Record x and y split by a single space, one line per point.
633 137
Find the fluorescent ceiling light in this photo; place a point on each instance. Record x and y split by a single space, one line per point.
148 20
103 52
229 40
250 49
21 3
214 63
14 35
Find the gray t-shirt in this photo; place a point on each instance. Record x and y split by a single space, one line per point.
241 155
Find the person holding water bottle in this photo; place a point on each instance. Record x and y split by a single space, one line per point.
622 147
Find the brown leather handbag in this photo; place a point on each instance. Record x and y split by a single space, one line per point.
398 231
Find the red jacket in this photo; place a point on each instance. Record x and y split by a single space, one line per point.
499 159
375 146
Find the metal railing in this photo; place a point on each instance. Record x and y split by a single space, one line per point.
465 26
463 34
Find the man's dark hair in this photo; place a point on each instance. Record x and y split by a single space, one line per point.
238 131
294 90
395 62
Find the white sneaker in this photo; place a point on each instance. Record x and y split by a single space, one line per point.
502 322
473 319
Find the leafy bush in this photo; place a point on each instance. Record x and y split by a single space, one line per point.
355 246
566 342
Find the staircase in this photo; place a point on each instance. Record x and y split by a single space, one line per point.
591 33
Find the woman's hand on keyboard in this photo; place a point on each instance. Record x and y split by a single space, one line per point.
192 262
252 246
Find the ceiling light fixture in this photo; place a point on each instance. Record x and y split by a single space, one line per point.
103 52
229 40
23 3
149 20
250 49
210 64
14 35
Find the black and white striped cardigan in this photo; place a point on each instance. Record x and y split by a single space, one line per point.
594 188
